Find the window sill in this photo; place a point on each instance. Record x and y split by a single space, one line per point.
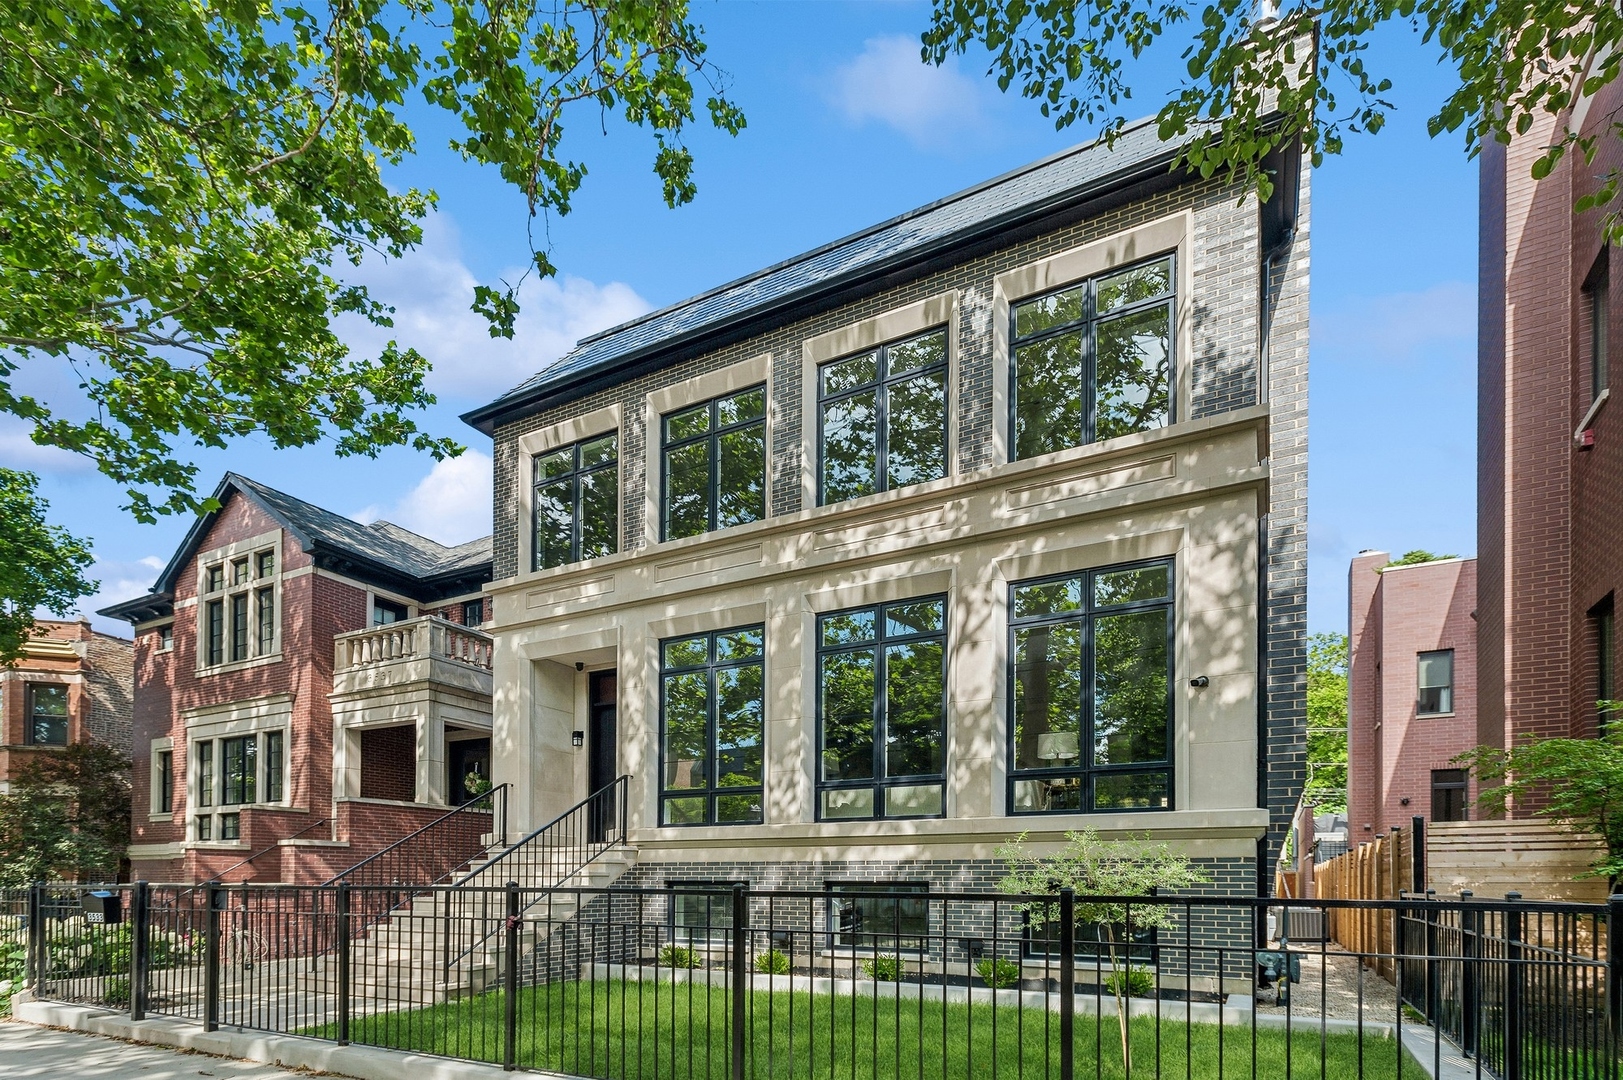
1433 715
239 665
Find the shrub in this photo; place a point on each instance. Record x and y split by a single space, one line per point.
772 962
116 991
885 967
998 974
1131 982
678 956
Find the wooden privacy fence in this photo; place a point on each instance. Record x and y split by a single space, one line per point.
1486 858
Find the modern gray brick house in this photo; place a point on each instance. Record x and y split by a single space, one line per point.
988 519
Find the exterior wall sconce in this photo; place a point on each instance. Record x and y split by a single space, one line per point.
1200 682
577 738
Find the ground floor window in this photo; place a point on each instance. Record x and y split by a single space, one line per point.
1448 795
1095 942
886 923
712 707
1090 688
232 772
701 910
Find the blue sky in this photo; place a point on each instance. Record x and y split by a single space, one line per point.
846 128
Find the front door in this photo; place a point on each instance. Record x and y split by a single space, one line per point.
468 763
602 764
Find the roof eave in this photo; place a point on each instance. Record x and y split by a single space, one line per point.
486 417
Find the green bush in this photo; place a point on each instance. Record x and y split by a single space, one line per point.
116 991
1132 982
678 956
998 974
884 967
772 962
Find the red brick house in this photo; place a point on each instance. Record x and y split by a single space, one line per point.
1411 690
1549 441
308 689
72 685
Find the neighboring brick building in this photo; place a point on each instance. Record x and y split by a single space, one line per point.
1550 443
1411 688
853 564
306 691
72 685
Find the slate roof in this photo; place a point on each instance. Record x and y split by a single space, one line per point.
1043 187
380 550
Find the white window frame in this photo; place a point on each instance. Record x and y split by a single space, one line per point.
222 557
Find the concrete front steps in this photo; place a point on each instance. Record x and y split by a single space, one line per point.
404 957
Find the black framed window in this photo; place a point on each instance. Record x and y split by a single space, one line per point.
1091 691
1094 942
205 772
885 924
47 714
385 612
712 708
275 765
882 710
239 764
205 827
714 465
701 910
239 609
1093 360
1597 305
882 418
1603 618
577 502
473 612
1448 795
230 826
1435 678
214 631
165 764
166 638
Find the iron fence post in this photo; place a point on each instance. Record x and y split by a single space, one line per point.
740 974
510 977
211 956
1513 987
1469 936
1614 967
1067 984
1417 854
341 920
1431 956
140 945
35 960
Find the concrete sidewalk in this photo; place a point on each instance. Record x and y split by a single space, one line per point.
48 1054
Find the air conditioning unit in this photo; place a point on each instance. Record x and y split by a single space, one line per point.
1306 924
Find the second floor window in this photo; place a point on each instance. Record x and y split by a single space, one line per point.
1598 315
1093 360
47 714
1436 679
715 465
882 710
385 611
577 502
1091 683
882 419
239 609
712 707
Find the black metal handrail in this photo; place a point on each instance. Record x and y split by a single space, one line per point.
220 877
547 858
420 857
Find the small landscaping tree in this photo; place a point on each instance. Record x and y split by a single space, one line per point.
1579 781
1092 867
67 815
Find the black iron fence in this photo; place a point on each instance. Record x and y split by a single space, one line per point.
712 980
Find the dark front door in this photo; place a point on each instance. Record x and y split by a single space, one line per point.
602 751
467 759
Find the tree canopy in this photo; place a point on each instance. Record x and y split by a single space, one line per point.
1261 75
186 181
41 566
1326 786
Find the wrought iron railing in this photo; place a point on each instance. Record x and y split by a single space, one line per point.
268 848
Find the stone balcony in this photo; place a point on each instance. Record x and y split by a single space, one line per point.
426 673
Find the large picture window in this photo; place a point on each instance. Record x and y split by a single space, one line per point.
239 608
882 710
1091 690
715 465
712 709
1093 360
47 714
577 502
882 418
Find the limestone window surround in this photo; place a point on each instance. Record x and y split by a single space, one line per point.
657 404
936 311
159 747
215 723
1167 235
598 422
222 557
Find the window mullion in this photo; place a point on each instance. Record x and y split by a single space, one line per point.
1085 725
713 735
882 423
713 503
881 694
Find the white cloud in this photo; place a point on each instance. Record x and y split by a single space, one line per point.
889 84
1399 326
431 289
451 504
120 579
18 451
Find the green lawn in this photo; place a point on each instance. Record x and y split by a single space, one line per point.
621 1030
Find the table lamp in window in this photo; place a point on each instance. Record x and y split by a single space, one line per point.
1060 747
